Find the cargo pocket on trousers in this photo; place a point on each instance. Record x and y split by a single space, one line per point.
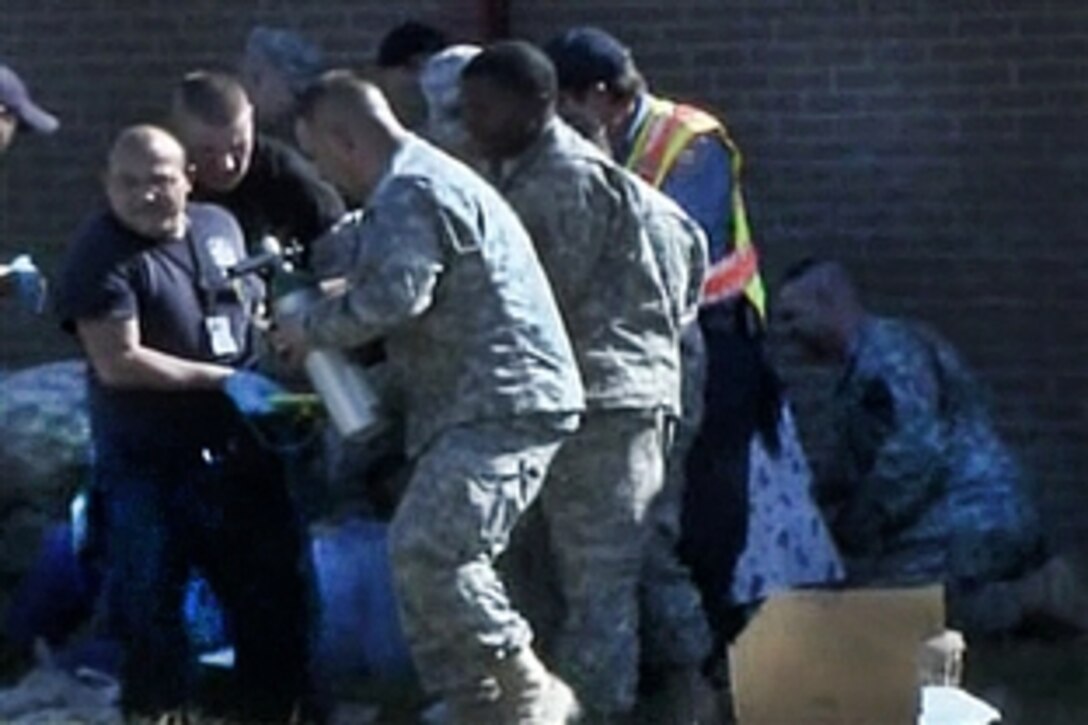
502 496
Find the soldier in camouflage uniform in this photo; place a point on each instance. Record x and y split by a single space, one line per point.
623 311
668 597
448 277
920 485
675 631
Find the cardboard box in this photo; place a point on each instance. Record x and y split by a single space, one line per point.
846 657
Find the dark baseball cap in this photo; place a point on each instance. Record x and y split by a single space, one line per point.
408 43
16 98
584 56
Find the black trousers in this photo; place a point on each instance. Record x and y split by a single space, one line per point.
714 517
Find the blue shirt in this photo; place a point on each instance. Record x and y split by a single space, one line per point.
113 273
701 181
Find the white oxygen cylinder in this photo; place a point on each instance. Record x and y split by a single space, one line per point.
349 398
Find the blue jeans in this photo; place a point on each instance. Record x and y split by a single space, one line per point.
227 511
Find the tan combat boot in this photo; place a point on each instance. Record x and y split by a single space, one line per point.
477 704
531 694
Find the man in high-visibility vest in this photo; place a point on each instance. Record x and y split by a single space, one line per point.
688 154
684 151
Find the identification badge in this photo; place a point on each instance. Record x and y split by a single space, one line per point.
222 339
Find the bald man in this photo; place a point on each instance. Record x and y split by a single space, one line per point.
446 274
169 341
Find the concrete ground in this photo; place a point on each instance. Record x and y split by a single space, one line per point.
1032 681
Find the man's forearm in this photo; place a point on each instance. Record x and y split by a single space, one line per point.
332 323
120 360
147 369
903 483
367 311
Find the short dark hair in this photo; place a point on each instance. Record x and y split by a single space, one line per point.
802 267
515 66
213 97
316 92
355 99
406 43
830 275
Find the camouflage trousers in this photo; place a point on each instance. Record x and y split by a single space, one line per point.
601 502
675 632
468 489
692 386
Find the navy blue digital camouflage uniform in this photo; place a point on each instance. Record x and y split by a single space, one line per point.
927 489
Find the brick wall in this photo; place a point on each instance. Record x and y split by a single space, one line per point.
937 147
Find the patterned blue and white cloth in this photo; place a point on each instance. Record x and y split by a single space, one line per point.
788 544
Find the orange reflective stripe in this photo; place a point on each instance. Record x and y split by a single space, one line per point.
668 129
731 275
650 153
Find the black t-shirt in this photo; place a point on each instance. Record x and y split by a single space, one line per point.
281 195
171 288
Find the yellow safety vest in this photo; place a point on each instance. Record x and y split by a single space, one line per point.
668 129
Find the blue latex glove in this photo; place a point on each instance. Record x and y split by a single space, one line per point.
252 393
29 283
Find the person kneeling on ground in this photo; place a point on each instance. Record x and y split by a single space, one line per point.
920 487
